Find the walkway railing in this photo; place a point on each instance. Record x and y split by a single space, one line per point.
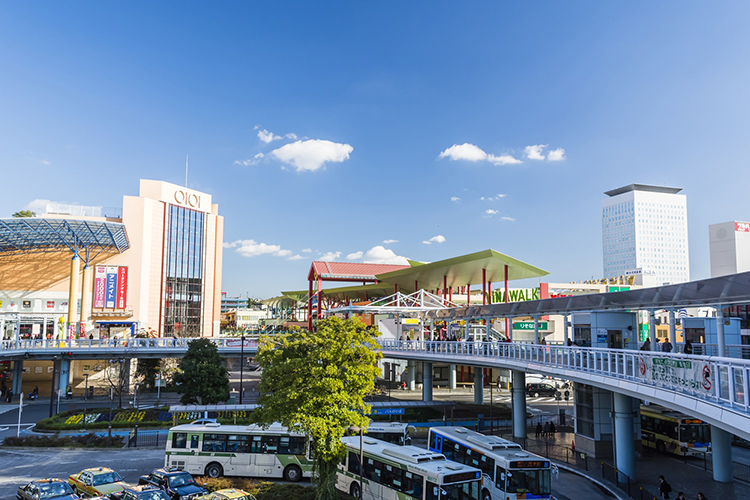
36 345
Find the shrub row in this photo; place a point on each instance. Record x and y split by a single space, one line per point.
262 490
82 441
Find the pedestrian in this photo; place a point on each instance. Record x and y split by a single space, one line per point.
569 343
36 392
552 428
681 496
69 393
701 496
546 429
9 396
91 336
667 346
688 349
543 341
646 345
665 488
538 429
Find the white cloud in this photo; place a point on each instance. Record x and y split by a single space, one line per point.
556 155
379 255
45 162
491 212
252 161
508 218
329 256
291 136
251 248
306 250
455 198
312 153
38 206
493 198
465 151
435 239
535 152
296 257
266 136
501 195
503 160
387 242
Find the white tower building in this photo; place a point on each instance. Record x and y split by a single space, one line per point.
645 227
730 248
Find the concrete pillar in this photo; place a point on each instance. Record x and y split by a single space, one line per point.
17 377
63 376
478 386
411 368
488 325
519 404
75 271
624 442
721 449
86 298
672 331
451 376
536 329
566 332
426 381
652 330
720 341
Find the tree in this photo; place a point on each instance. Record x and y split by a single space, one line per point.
148 368
316 382
24 213
202 377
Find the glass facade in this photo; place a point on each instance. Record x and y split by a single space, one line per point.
183 272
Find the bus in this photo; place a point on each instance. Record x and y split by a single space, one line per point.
393 472
674 432
390 432
215 450
508 472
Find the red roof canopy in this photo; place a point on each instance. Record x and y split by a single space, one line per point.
350 271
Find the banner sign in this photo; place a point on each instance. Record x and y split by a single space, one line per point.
111 292
690 375
742 227
238 343
100 286
387 411
529 325
122 287
517 295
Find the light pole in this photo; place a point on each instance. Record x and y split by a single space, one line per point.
85 399
492 420
361 431
242 363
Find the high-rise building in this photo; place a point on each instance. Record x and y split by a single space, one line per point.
645 228
730 248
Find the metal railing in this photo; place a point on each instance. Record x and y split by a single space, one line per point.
147 439
133 343
625 483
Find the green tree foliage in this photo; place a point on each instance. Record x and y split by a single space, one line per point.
24 213
202 377
316 382
148 368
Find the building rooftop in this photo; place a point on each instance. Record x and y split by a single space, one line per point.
643 187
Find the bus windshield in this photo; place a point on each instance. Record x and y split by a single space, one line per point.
695 433
461 491
536 482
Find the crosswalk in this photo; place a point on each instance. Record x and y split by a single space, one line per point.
507 399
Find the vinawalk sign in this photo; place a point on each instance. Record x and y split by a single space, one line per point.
686 374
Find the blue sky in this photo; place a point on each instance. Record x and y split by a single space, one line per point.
364 98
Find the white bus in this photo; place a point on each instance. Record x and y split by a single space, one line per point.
390 432
217 450
508 472
393 472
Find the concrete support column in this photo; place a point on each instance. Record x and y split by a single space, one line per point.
488 325
652 329
720 341
536 329
624 442
478 386
426 381
519 404
17 377
87 286
451 376
721 448
63 376
566 330
411 368
672 331
75 271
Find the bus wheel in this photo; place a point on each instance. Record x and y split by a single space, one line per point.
354 490
214 470
486 495
661 446
292 473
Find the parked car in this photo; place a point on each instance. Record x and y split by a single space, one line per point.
141 492
543 389
46 489
231 494
204 421
179 485
97 481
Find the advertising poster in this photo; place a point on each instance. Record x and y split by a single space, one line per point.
122 287
100 286
690 375
111 292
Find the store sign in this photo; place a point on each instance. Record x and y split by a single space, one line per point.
519 295
529 325
693 376
100 286
387 411
27 304
188 199
50 304
742 227
122 287
110 298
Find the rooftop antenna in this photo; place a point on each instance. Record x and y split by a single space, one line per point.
186 168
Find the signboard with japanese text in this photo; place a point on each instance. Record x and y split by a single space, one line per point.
690 375
110 299
122 287
100 286
742 227
529 325
387 411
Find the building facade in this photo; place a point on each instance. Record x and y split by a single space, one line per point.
730 248
645 228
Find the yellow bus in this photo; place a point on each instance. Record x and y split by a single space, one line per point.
673 432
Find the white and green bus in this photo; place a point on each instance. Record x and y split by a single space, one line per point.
390 432
393 472
508 472
217 450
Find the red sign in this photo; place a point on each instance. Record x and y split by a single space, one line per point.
122 287
742 227
50 304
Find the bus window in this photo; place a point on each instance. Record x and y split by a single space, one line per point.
179 440
353 463
215 442
501 476
413 484
194 441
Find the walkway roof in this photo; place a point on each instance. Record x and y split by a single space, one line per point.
24 235
354 293
462 270
725 290
350 271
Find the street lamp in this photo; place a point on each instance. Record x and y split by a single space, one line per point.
85 399
242 363
361 431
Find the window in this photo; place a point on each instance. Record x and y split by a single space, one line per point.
194 441
179 440
215 442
